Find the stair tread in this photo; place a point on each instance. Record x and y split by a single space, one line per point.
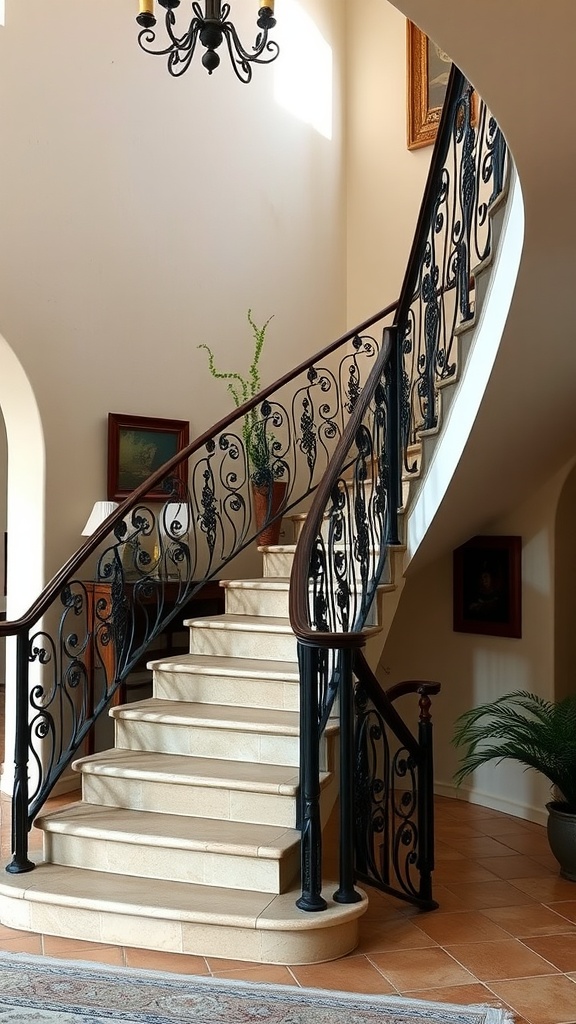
153 828
259 583
156 709
184 769
81 888
250 623
218 664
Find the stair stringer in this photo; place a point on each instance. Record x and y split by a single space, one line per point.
479 344
440 450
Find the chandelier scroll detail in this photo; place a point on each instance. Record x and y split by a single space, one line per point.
210 24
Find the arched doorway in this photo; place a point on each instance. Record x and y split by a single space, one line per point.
25 516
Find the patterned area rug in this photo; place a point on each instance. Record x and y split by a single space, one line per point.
40 990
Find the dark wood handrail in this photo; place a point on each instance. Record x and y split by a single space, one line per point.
298 593
68 570
383 700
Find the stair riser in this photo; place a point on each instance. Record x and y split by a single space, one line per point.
245 601
226 744
220 743
279 695
198 866
200 801
239 643
277 563
259 945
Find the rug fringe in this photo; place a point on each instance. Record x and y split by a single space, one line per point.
498 1015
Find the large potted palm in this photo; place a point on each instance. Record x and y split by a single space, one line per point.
539 734
260 444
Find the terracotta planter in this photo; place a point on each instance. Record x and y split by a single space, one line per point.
562 838
266 507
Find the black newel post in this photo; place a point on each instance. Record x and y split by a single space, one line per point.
425 863
310 824
346 893
20 861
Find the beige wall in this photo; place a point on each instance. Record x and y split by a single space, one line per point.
141 215
473 669
385 179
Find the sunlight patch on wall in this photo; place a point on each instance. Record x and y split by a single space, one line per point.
303 72
2 11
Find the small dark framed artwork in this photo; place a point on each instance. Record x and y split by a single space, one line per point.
137 446
488 586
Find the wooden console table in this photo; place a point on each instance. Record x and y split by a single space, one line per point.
208 600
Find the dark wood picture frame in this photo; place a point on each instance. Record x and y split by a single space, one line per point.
138 445
488 586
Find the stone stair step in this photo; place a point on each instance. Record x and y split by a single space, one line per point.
245 682
243 636
194 786
178 917
258 596
260 735
277 560
205 851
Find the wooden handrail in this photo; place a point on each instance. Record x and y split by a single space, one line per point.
68 570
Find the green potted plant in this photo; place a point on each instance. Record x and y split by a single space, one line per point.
260 444
539 734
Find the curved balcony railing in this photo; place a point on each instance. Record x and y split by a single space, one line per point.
342 556
78 641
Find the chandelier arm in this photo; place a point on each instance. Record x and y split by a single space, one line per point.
239 62
177 64
258 48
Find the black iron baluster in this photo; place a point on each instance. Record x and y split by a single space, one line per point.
393 435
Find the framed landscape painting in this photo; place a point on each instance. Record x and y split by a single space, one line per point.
137 446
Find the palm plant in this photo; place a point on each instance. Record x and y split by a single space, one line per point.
523 727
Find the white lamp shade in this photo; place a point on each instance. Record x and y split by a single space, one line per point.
99 513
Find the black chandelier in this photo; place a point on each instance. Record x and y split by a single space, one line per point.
210 26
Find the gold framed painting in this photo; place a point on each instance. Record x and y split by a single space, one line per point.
428 73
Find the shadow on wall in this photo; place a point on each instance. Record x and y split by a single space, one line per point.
565 591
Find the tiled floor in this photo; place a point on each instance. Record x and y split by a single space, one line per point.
505 932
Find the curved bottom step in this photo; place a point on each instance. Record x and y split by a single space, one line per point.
178 917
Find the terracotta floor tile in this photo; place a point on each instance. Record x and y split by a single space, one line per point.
154 960
56 945
95 954
444 851
451 871
396 935
527 843
510 958
528 921
448 900
25 942
456 832
459 994
412 969
560 950
261 974
467 926
546 890
503 826
354 974
566 908
489 894
550 1000
513 866
483 846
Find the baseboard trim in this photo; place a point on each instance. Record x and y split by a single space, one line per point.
495 803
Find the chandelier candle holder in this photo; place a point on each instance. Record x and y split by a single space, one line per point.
211 25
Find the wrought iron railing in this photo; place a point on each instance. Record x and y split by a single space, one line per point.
96 618
341 558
